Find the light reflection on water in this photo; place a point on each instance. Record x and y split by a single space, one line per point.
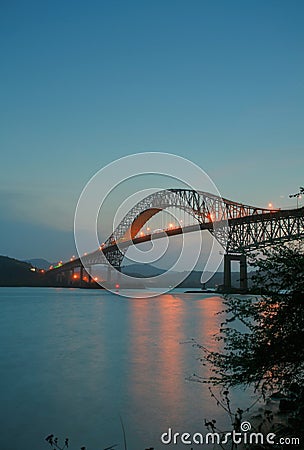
72 361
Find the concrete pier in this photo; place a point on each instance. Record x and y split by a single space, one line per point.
243 270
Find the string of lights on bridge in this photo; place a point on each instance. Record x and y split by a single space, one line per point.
171 219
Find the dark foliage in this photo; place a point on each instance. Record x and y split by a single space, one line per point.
263 336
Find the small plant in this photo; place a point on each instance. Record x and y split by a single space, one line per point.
55 443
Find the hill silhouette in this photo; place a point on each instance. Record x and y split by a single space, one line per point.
18 273
40 263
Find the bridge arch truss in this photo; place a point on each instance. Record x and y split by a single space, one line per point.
238 228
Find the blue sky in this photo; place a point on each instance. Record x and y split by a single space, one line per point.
84 83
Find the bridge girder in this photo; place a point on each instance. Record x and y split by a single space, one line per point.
249 227
254 232
206 208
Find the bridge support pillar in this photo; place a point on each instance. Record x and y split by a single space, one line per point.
71 277
81 275
227 271
60 277
119 276
88 272
243 271
111 277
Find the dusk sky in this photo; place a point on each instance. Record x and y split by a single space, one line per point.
84 83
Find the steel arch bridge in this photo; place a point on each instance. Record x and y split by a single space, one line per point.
238 228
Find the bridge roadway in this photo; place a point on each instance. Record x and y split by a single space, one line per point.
94 257
245 233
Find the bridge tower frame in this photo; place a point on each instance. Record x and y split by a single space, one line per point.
242 258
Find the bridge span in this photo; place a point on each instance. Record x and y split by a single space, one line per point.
238 228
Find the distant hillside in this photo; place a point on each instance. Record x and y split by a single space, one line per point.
17 273
142 270
40 263
192 279
21 273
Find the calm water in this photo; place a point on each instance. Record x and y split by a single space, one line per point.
72 361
